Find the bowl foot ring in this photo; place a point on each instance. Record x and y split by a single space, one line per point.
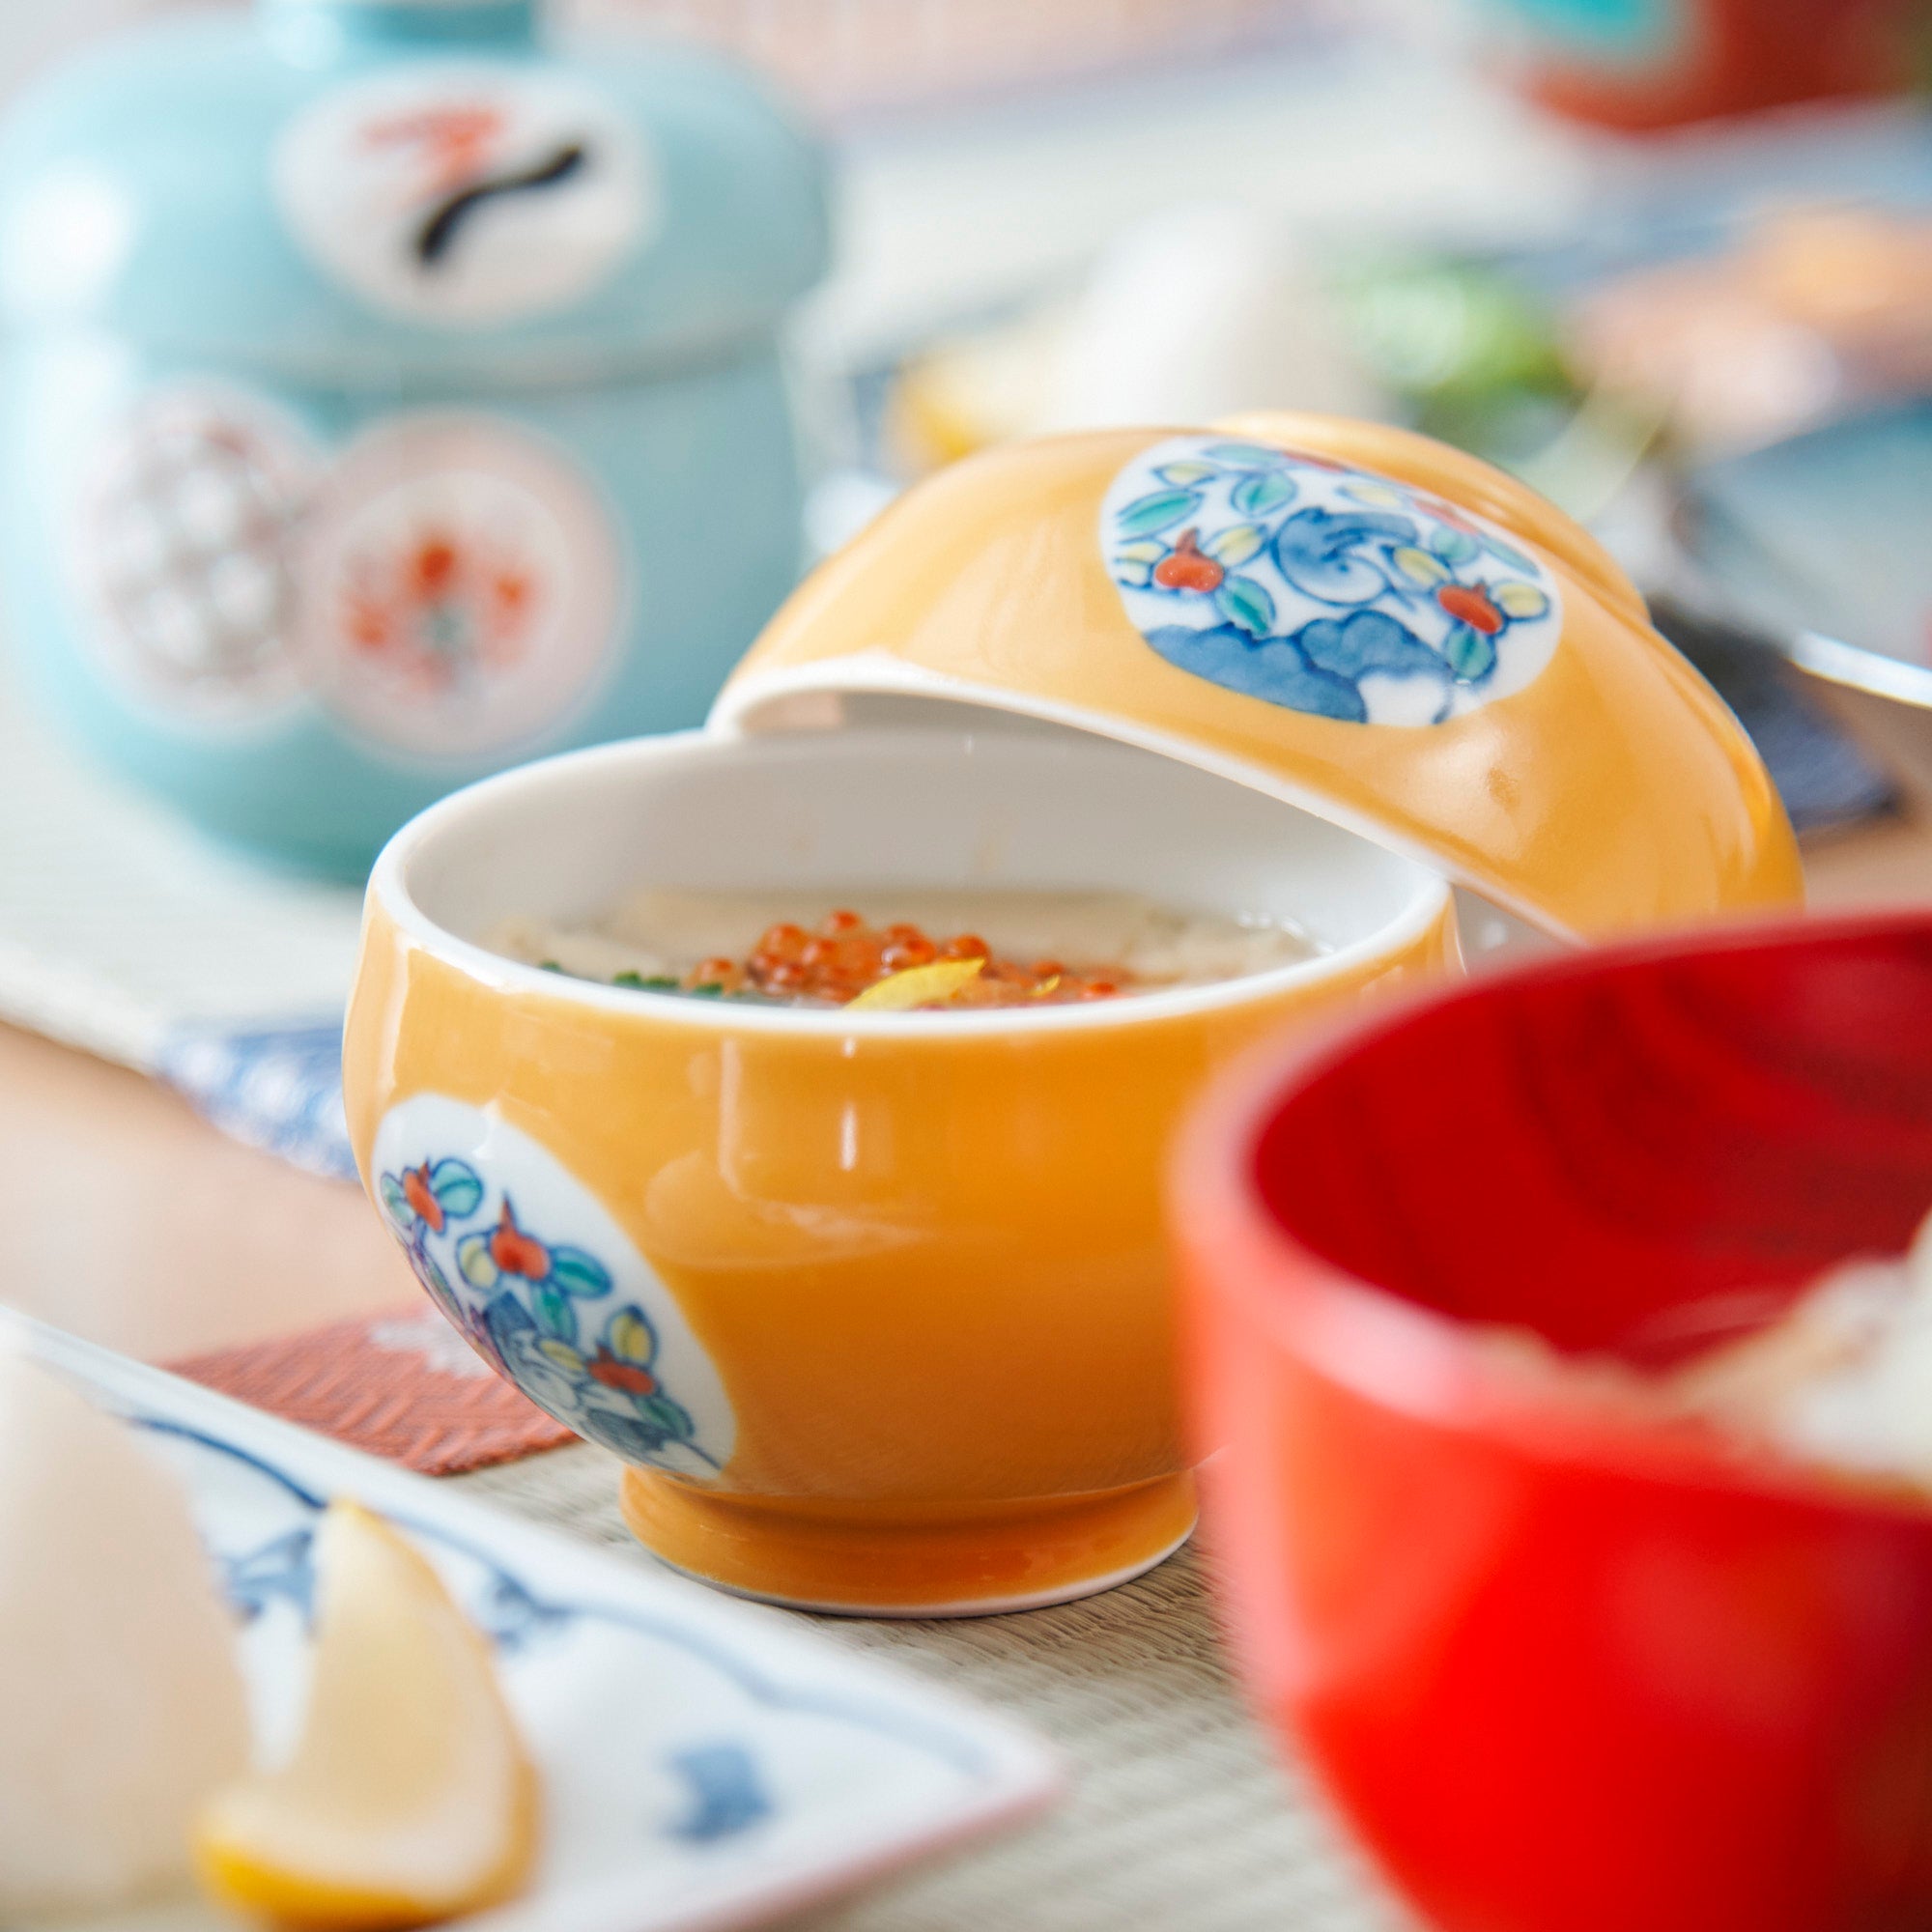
976 1560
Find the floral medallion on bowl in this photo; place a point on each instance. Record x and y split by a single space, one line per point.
546 1287
1323 588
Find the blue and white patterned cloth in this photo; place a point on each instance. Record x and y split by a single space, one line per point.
277 1088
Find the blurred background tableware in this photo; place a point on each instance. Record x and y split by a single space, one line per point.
392 391
1555 1664
1650 64
865 58
1814 542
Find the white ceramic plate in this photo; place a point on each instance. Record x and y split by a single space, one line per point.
707 1764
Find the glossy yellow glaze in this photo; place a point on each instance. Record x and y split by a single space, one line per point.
1614 791
928 1266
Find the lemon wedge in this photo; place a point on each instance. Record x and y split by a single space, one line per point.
409 1797
916 986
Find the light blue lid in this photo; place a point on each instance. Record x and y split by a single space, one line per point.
374 191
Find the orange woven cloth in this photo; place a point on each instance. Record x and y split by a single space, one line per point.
403 1385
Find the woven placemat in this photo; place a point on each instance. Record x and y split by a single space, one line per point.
1180 1820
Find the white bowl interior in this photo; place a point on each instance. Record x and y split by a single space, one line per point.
989 803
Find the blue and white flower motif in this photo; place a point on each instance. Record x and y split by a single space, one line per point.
584 1329
1299 581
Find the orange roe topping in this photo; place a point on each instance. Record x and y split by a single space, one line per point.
719 972
845 955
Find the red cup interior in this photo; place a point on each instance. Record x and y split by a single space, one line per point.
1561 1678
1625 1153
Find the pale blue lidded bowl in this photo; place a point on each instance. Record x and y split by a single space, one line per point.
391 393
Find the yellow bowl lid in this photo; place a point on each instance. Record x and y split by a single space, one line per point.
1356 619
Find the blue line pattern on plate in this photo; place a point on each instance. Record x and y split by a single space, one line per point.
728 1796
284 1568
512 1614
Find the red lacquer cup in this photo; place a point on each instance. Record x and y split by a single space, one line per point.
1564 1671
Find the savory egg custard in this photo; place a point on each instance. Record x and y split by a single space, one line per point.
887 950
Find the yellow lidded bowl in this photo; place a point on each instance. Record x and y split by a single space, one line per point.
875 1305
